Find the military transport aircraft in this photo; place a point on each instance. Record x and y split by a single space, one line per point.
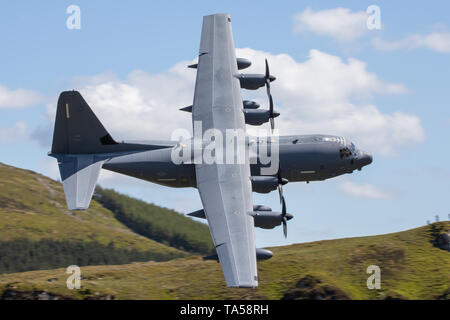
82 147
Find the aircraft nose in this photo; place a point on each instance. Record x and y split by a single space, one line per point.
289 216
365 159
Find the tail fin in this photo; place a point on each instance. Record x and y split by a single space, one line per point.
81 144
77 129
79 139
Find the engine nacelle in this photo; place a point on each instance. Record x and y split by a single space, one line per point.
268 219
250 104
201 213
265 184
263 216
251 81
260 207
243 63
257 117
247 104
261 254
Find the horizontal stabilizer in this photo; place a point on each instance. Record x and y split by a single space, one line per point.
79 175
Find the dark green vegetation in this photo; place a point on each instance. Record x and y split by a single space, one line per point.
412 267
38 232
23 255
160 224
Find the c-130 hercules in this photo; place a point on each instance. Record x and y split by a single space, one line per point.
82 147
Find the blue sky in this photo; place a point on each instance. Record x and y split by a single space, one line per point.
134 47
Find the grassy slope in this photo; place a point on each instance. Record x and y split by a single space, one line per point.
411 267
33 206
157 223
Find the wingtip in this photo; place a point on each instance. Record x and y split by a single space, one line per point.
244 285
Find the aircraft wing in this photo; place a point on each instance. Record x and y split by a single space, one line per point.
225 189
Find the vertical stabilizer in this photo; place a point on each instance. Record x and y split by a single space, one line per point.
77 129
81 144
78 139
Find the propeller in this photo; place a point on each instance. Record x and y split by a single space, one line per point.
281 182
268 79
285 217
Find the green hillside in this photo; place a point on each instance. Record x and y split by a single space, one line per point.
160 224
412 267
38 232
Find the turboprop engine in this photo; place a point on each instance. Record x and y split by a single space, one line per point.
265 184
253 115
263 216
269 219
251 81
257 117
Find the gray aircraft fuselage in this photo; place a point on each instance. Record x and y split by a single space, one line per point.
302 158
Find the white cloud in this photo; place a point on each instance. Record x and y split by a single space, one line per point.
436 41
18 97
141 107
367 191
144 106
344 25
340 24
327 95
14 133
323 94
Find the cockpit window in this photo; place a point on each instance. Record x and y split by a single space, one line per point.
345 153
352 147
348 151
334 139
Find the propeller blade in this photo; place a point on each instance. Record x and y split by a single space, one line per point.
269 95
268 87
283 216
280 191
280 183
271 105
